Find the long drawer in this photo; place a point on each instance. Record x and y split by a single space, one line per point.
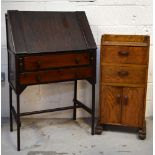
55 75
124 54
123 74
40 62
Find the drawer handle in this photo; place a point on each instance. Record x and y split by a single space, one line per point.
38 63
118 98
123 53
123 73
125 100
77 60
38 78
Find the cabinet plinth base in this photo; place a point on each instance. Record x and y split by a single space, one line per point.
98 129
142 132
113 127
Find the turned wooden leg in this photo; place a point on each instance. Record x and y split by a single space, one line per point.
142 132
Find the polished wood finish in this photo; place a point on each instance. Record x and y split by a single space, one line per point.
132 106
55 75
48 61
123 81
47 47
123 74
111 99
125 55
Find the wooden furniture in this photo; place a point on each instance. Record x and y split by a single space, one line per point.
123 81
47 47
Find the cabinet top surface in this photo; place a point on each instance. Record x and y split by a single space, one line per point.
37 32
126 40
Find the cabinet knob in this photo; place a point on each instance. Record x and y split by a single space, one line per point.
118 98
77 60
123 73
123 53
125 100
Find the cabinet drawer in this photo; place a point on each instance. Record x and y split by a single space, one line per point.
31 63
123 74
55 75
124 54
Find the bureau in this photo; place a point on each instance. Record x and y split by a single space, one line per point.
123 82
47 47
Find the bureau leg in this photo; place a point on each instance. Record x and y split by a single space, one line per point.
75 97
93 110
10 98
18 123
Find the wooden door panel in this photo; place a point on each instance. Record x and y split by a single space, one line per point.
110 102
132 106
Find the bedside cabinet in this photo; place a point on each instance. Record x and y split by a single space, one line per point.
123 81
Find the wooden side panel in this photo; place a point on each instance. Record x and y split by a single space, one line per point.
110 102
10 42
12 69
132 106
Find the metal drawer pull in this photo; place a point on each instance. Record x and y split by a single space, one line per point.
118 98
77 60
125 100
123 73
123 53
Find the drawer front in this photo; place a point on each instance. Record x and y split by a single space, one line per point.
124 54
32 63
55 75
123 74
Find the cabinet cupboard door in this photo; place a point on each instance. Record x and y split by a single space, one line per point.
110 104
132 106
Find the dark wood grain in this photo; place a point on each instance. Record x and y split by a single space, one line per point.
28 78
36 31
48 47
49 61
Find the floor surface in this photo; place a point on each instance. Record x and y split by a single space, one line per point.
68 137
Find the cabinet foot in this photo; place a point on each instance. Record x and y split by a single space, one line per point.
142 132
98 129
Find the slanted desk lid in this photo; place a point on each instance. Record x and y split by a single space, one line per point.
35 32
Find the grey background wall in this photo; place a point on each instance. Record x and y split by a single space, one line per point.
104 16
